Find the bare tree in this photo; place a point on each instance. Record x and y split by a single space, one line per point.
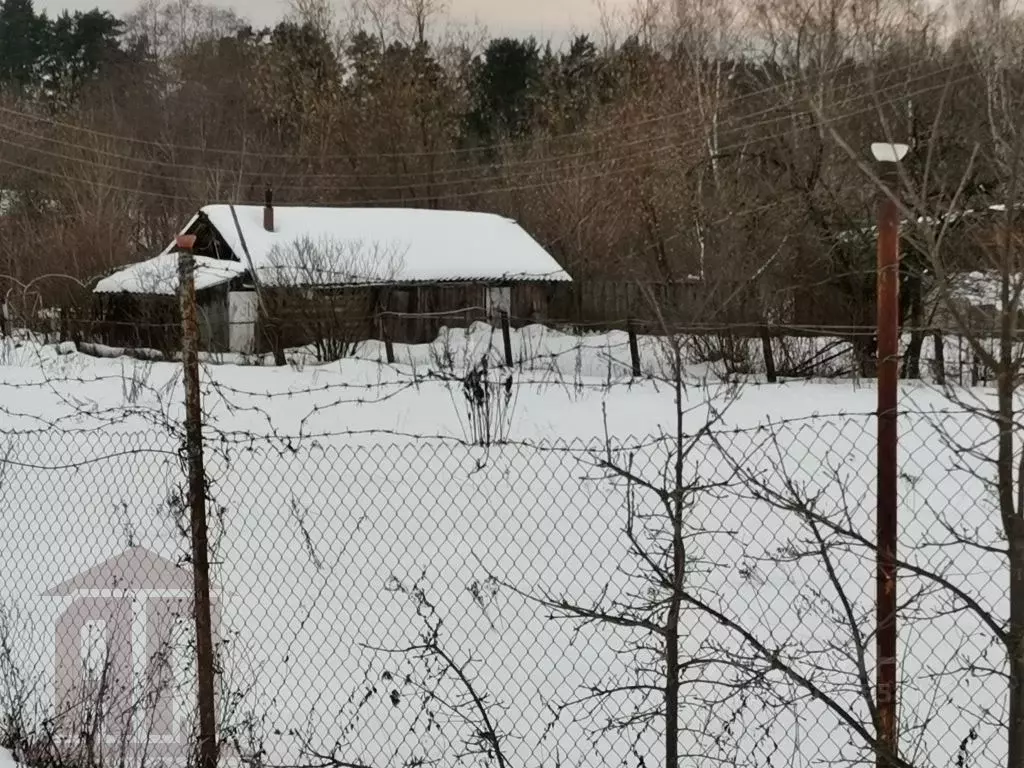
955 229
417 16
670 672
174 27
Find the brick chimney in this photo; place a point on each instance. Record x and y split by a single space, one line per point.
268 211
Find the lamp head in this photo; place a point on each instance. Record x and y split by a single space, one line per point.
889 153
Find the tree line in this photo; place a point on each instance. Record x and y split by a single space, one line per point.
700 141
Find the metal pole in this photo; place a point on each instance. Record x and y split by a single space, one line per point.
207 747
888 383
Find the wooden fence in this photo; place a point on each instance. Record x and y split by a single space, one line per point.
415 314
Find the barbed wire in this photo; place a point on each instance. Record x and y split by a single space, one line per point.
333 283
452 369
289 444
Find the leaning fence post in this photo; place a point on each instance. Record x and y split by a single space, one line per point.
769 354
940 358
207 747
961 363
506 337
634 349
383 321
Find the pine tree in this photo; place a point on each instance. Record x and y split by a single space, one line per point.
22 43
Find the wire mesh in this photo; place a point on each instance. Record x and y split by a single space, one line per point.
420 601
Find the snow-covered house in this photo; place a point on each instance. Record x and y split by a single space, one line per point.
282 275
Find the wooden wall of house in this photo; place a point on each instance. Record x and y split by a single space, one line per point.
531 304
409 314
154 322
214 331
415 314
134 322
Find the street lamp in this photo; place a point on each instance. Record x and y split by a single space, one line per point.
888 156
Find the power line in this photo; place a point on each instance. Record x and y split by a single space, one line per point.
401 200
679 115
471 175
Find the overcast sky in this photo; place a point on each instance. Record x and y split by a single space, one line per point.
543 18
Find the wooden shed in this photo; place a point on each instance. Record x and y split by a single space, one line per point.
275 276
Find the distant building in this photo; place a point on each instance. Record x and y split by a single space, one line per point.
115 646
285 275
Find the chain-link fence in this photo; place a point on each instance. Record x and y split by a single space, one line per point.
427 602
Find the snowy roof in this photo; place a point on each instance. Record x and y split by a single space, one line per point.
386 244
159 276
135 568
337 246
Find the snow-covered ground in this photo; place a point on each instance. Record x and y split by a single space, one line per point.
338 491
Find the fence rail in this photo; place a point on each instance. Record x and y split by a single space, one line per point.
584 303
776 351
798 331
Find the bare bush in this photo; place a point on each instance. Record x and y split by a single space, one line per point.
489 402
308 262
726 350
326 291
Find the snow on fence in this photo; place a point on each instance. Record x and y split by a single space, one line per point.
428 602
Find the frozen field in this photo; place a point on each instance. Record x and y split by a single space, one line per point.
341 490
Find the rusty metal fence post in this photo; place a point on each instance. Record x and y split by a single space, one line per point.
888 156
207 746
